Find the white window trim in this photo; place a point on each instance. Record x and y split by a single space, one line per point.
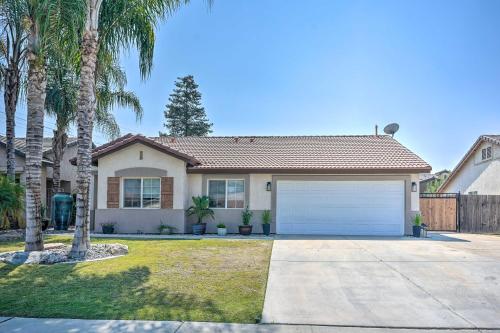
122 192
225 196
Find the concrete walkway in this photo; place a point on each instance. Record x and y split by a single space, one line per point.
446 281
178 236
40 325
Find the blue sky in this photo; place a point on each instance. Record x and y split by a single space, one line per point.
332 67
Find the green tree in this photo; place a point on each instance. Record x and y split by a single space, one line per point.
434 185
110 26
13 39
62 90
50 25
185 113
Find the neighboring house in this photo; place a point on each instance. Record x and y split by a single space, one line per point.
430 182
68 171
479 170
346 185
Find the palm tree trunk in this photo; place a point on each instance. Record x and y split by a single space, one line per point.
58 143
86 109
37 82
11 93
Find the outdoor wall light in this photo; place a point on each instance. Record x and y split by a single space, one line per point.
268 186
413 186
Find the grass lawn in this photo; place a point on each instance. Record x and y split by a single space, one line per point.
198 280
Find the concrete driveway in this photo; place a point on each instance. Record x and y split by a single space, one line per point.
449 280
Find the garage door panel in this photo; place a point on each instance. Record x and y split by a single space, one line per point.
340 229
340 207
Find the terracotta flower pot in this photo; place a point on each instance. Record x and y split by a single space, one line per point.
245 230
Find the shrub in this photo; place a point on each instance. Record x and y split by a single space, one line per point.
417 220
11 202
246 216
221 225
266 217
166 227
200 208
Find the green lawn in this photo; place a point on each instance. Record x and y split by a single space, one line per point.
196 280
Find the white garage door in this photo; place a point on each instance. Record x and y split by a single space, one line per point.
340 207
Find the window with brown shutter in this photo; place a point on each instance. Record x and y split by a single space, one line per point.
113 192
167 192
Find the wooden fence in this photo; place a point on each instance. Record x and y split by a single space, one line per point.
439 212
479 213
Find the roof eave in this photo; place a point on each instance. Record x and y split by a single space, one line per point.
310 170
470 152
131 140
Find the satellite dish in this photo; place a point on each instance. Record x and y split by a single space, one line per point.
391 129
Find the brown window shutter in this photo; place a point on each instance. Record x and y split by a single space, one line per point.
167 192
113 192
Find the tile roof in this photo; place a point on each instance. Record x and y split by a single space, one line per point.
20 143
320 153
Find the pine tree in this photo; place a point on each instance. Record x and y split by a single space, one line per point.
184 113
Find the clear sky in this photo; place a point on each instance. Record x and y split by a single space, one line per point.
294 67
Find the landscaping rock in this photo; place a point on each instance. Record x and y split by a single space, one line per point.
10 235
58 252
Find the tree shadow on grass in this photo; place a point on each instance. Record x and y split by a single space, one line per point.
75 291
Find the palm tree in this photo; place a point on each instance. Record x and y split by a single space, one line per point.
50 25
12 60
110 25
200 208
62 90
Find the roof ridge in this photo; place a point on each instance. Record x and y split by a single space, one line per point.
277 136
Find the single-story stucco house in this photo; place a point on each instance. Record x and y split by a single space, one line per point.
68 171
478 172
345 185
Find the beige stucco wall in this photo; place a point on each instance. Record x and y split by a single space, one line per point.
128 157
3 161
260 198
68 171
414 196
193 188
478 175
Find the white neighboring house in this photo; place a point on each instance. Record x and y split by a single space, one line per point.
479 170
68 171
348 185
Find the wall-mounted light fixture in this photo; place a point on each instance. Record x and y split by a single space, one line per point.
413 186
268 186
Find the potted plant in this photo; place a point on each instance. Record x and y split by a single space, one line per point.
43 216
201 209
417 225
221 229
266 222
166 229
108 228
246 228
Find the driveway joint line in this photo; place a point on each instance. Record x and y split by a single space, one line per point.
179 327
426 328
420 287
6 320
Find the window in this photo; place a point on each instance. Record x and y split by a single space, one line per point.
227 193
486 153
141 193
